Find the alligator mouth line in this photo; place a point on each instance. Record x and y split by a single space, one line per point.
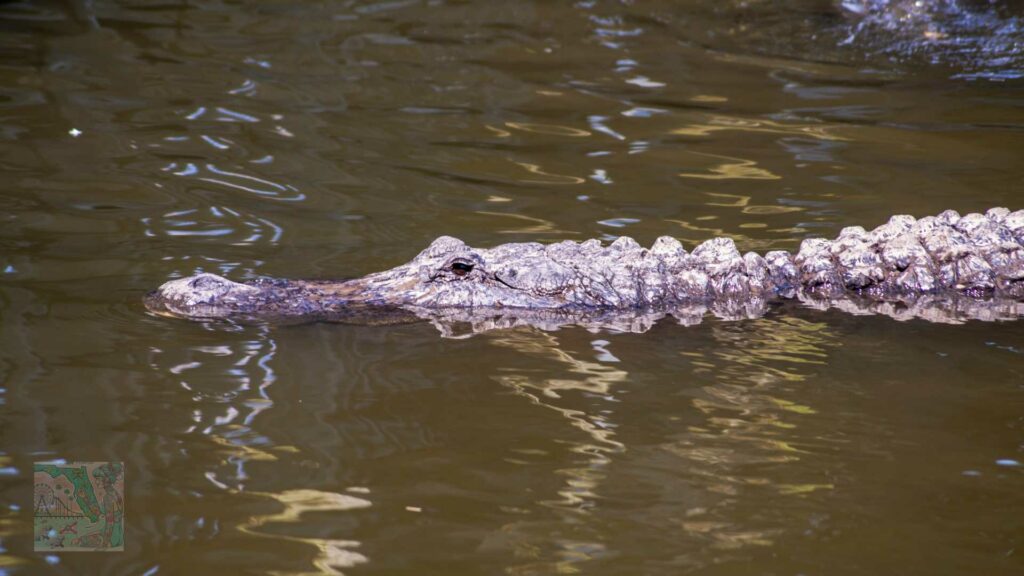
494 277
498 278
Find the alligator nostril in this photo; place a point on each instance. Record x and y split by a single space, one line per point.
209 286
205 282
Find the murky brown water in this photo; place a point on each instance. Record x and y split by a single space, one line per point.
144 140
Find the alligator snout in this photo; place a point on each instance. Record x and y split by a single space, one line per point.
203 295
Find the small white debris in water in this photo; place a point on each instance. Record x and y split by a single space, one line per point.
971 473
1007 462
414 509
358 489
75 132
9 269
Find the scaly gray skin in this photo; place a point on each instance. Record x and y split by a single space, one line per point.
942 268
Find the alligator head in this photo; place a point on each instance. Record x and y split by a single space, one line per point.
552 280
447 274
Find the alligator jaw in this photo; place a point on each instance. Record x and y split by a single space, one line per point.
211 297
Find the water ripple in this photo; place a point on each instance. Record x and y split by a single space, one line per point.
229 387
236 180
222 224
331 553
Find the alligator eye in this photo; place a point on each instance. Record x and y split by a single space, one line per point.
461 268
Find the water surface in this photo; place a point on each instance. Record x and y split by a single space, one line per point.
144 141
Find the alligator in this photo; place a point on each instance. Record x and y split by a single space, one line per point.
944 268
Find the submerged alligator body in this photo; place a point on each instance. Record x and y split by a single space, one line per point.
941 268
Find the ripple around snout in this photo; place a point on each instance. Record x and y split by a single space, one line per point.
218 239
219 224
236 179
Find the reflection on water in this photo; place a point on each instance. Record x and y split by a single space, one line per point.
229 387
466 322
743 407
747 422
591 458
721 123
732 168
331 554
701 451
140 142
